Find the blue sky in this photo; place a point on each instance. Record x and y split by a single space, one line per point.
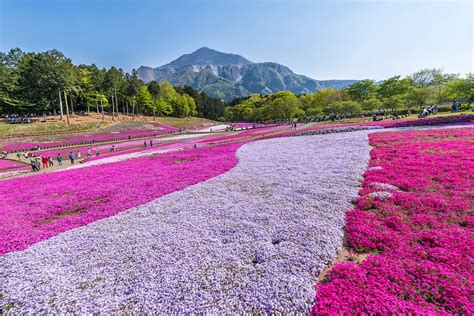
321 39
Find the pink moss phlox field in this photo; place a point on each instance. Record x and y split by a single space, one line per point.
437 120
10 164
37 207
87 137
429 121
421 240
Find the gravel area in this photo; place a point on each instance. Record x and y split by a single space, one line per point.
251 240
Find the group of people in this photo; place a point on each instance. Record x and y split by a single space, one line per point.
44 162
146 144
39 162
433 109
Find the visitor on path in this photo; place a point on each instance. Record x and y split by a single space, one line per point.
45 161
50 161
33 165
26 155
97 152
59 159
113 148
71 157
88 153
144 143
151 143
38 164
195 145
79 156
18 155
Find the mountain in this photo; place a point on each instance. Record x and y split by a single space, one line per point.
226 76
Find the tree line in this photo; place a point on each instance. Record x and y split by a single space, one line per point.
48 82
414 92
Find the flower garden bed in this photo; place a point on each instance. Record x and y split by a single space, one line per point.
40 206
10 164
89 138
247 241
419 236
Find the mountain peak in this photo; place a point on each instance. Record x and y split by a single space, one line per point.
226 76
206 56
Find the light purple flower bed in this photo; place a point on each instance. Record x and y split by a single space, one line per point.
251 240
38 207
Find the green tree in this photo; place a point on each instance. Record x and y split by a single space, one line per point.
144 99
154 89
371 104
361 90
418 96
461 89
425 78
180 106
283 104
311 105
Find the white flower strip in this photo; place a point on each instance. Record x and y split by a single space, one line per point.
251 240
214 128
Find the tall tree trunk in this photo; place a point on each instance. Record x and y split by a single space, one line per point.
102 107
113 108
97 106
126 104
72 105
60 106
67 107
116 102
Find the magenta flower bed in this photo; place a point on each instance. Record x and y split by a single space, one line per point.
437 120
430 121
10 164
420 240
90 138
41 206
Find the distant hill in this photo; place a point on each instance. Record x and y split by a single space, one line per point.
227 76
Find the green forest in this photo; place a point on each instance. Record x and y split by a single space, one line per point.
49 82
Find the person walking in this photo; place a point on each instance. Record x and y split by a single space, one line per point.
38 164
144 143
33 165
18 155
79 156
44 159
151 143
59 159
26 155
71 157
50 161
97 152
88 153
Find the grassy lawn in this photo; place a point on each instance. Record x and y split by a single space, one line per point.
91 122
43 128
188 122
